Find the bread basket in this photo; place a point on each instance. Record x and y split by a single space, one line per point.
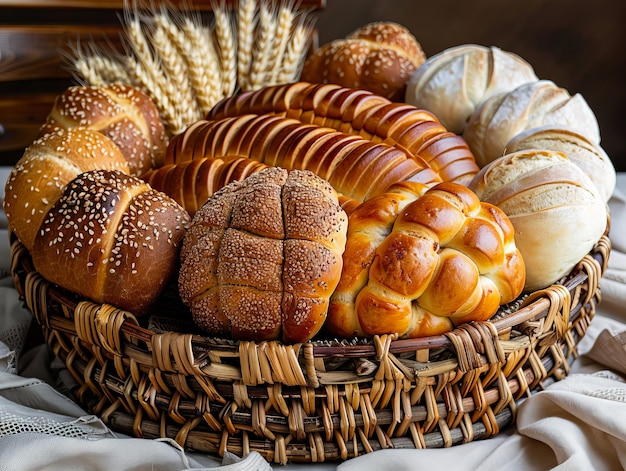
325 400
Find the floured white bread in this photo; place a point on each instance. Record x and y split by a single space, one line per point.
557 212
498 119
454 82
589 156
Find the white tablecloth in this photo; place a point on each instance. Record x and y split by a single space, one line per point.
578 423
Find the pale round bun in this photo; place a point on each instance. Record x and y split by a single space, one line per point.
379 57
499 118
262 257
420 261
557 212
586 154
454 82
121 112
112 239
38 179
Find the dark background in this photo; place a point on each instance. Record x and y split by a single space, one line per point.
578 44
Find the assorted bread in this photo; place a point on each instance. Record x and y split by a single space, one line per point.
383 192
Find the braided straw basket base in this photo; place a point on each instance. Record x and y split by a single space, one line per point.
319 401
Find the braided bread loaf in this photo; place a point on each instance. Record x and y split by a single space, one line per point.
356 167
359 112
420 261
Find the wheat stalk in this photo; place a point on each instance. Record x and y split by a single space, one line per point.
227 48
294 56
171 47
283 31
246 23
264 42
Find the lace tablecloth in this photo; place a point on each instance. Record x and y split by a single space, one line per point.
578 423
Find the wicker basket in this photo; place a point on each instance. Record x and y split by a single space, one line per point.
320 401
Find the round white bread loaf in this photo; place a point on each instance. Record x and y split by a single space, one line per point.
112 239
121 112
557 212
587 155
262 257
418 263
499 118
38 179
379 57
454 82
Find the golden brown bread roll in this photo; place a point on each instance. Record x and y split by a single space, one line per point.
356 167
379 57
557 212
417 263
38 179
582 151
359 112
499 118
112 239
121 112
454 82
262 257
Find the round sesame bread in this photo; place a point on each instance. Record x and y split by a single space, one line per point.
38 179
112 239
262 257
121 112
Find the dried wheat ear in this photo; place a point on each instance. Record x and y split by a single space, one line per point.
186 61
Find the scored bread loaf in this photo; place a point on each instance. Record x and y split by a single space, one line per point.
112 239
454 82
121 112
363 113
263 255
39 177
379 57
556 210
356 167
419 262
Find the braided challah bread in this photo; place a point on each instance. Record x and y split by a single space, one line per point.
420 261
121 112
262 257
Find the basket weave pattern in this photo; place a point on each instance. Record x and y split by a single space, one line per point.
319 401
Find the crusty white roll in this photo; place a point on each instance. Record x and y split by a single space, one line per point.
39 177
557 212
454 82
263 255
499 118
112 239
121 112
417 263
379 57
586 154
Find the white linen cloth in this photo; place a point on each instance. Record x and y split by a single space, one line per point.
576 424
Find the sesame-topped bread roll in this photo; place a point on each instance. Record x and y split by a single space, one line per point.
38 179
121 112
263 255
112 239
379 57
